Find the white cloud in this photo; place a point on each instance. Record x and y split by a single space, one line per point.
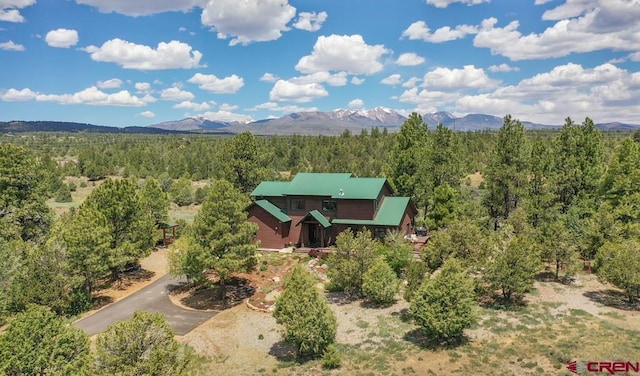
142 86
147 114
227 107
148 98
9 10
540 2
129 55
466 78
409 59
14 95
93 96
356 103
110 84
275 107
412 82
62 38
225 116
428 100
310 21
248 21
503 68
394 79
176 94
141 7
188 105
209 82
635 56
348 53
605 24
300 93
357 80
337 79
446 3
10 46
269 77
420 31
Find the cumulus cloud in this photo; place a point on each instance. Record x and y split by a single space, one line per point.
284 91
605 24
420 31
446 3
90 96
142 86
412 82
141 7
188 105
113 83
11 46
356 103
248 21
409 59
147 114
14 95
269 77
348 53
394 79
503 68
357 80
310 21
276 107
466 78
62 38
176 94
10 10
129 55
209 82
225 116
337 79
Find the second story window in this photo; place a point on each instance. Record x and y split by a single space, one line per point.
329 206
296 204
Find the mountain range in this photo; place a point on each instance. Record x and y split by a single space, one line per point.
302 123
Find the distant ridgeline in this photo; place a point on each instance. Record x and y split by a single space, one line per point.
63 126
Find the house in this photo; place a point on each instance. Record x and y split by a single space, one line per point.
313 208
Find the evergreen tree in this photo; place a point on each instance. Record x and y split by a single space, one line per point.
445 304
23 212
131 226
380 284
557 245
181 192
619 264
540 196
507 170
445 207
354 255
309 324
512 265
245 158
142 345
445 166
154 200
37 342
465 241
223 234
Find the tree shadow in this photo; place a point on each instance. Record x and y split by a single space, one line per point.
340 298
403 314
499 303
612 298
208 297
368 304
100 301
284 352
546 276
421 339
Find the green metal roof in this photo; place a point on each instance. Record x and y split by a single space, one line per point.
334 185
273 210
270 189
320 218
389 214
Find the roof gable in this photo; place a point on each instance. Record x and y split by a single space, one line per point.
334 185
390 213
273 210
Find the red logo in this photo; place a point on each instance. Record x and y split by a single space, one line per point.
612 368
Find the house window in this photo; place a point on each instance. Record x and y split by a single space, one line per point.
329 206
296 204
379 232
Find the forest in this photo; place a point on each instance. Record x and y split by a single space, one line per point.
501 208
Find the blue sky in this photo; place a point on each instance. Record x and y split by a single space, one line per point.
125 62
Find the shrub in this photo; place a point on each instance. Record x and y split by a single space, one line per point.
332 359
380 284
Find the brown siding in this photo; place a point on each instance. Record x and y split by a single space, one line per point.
271 233
355 209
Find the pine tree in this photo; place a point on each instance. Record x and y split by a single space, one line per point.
354 255
223 234
445 304
619 264
309 324
154 200
37 342
380 284
142 345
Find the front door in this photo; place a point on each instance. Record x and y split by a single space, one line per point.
314 234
